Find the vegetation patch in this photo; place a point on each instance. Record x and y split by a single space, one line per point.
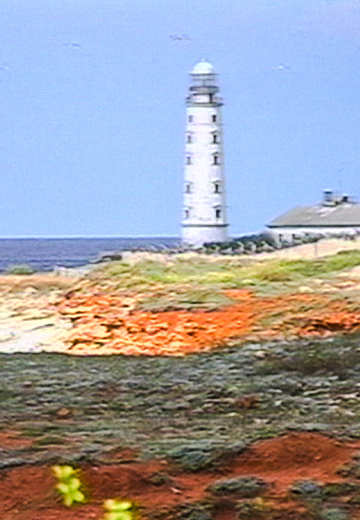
20 269
198 281
194 511
194 458
68 485
333 513
312 358
241 487
307 490
185 299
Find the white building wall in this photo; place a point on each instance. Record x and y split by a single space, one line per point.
288 233
204 211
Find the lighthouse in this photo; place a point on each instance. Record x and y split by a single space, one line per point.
204 211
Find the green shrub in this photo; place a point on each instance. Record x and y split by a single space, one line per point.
196 298
194 273
307 490
68 485
343 260
314 357
193 458
22 269
292 270
254 508
338 489
242 487
118 510
194 511
288 270
333 513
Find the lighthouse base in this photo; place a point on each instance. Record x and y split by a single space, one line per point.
198 235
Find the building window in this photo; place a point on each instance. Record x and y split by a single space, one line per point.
214 118
215 139
188 188
188 159
216 159
218 213
217 187
191 118
187 213
189 138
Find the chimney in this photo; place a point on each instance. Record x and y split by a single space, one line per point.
328 199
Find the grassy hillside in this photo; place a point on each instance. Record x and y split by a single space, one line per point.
187 281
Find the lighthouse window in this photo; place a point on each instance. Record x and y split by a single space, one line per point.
214 118
217 187
190 118
215 139
188 188
189 138
216 159
188 159
218 213
187 213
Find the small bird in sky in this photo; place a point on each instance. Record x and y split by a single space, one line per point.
180 37
72 44
281 66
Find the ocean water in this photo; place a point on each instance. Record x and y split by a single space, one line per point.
45 254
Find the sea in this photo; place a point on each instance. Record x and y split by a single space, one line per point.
47 254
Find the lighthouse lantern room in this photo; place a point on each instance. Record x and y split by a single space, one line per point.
204 212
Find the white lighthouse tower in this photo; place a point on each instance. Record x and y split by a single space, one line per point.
204 211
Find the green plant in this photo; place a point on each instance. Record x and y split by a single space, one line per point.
316 357
256 507
292 270
241 487
22 269
189 298
68 485
194 511
118 510
333 513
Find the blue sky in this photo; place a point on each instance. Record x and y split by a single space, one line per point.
92 112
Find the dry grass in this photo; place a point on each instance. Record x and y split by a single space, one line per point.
39 282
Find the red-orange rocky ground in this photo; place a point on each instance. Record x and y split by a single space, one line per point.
104 323
110 324
27 492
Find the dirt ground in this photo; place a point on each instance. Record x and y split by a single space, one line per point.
57 314
162 490
104 324
44 314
